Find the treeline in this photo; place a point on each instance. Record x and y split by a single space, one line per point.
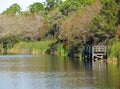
105 27
70 23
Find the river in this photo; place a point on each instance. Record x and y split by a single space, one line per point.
54 72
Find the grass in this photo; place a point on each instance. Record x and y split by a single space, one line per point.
31 47
62 51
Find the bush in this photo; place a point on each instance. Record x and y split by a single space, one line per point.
104 25
114 50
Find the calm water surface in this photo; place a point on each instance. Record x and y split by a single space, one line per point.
53 72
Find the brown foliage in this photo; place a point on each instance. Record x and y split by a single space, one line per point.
32 27
117 35
76 25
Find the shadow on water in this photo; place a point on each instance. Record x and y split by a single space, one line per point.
55 72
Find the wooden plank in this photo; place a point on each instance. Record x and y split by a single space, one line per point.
98 51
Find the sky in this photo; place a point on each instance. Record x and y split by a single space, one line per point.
4 4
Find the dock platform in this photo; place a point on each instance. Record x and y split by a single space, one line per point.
95 52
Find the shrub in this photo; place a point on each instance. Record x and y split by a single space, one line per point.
114 50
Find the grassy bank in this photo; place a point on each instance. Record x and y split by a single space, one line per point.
38 47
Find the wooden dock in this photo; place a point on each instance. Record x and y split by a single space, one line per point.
95 52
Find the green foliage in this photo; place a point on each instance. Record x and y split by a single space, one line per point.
9 41
53 30
60 50
57 48
52 3
36 8
41 46
26 13
14 9
104 26
114 51
73 5
1 47
55 12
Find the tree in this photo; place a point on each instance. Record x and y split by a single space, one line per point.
104 25
71 6
52 3
14 9
36 8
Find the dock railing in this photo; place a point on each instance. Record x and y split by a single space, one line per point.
95 52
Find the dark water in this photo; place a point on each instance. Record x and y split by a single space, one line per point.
53 72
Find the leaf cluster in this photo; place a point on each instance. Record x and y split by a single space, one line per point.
104 25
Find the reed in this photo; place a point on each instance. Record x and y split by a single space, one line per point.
31 47
63 51
60 50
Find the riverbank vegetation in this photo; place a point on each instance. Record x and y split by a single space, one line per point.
71 23
114 51
37 47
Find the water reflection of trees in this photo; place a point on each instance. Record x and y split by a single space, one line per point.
66 73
